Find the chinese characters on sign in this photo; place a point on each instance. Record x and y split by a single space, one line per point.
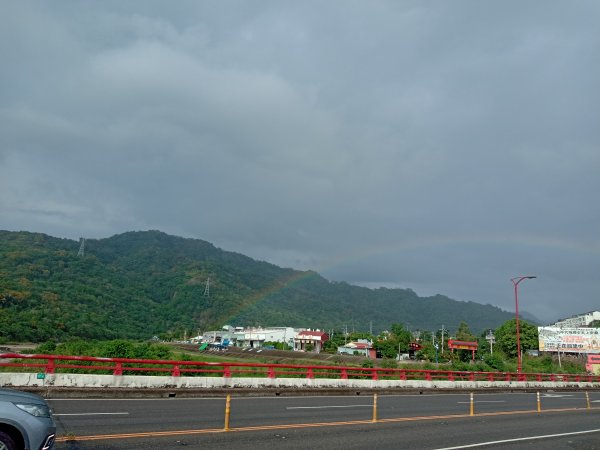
570 340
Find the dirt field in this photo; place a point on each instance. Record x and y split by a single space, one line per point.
282 356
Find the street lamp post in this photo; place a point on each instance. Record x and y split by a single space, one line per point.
516 282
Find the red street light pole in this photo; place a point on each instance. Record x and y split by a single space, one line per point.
516 282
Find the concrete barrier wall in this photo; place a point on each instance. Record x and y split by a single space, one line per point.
83 381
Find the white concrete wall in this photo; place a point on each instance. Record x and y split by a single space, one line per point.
155 382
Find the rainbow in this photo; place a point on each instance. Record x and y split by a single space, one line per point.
464 240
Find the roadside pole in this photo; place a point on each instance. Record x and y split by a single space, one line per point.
587 398
227 411
374 408
472 406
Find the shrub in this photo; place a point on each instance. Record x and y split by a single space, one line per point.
47 348
494 362
389 363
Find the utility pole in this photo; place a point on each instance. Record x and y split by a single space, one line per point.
442 339
491 339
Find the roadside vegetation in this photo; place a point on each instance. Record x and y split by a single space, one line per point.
498 357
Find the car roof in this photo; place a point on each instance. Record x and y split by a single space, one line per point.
12 395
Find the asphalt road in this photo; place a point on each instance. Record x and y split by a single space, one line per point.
403 421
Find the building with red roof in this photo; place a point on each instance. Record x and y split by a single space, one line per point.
309 340
363 347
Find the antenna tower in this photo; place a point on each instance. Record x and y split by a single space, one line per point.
81 247
207 288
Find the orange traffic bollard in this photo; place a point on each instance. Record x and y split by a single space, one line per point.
227 411
375 407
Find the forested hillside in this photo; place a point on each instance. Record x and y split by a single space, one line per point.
141 284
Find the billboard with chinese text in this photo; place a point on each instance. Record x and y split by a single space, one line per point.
569 340
462 345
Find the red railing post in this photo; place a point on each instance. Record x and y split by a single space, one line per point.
271 372
428 375
118 368
226 371
450 376
50 366
309 373
374 374
403 375
472 376
344 375
176 372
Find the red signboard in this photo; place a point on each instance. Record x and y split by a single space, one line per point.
462 345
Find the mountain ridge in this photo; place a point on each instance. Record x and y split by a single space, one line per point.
139 284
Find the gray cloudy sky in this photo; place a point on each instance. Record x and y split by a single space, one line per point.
443 146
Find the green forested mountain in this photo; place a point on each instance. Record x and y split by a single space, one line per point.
140 284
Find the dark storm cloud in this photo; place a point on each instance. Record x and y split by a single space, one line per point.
441 146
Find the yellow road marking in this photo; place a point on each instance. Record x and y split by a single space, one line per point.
300 425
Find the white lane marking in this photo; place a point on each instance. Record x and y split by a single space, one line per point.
326 407
557 395
483 401
529 438
94 414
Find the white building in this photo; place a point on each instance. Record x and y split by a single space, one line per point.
362 347
578 321
256 337
253 337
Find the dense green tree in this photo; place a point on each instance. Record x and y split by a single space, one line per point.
506 337
137 285
390 344
463 333
402 336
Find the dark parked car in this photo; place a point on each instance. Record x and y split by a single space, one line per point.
25 421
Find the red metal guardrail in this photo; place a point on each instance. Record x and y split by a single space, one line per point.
50 364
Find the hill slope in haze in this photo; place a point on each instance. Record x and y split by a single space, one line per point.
140 284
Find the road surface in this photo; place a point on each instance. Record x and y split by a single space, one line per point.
507 420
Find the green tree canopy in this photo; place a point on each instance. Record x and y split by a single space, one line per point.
464 333
506 337
394 342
